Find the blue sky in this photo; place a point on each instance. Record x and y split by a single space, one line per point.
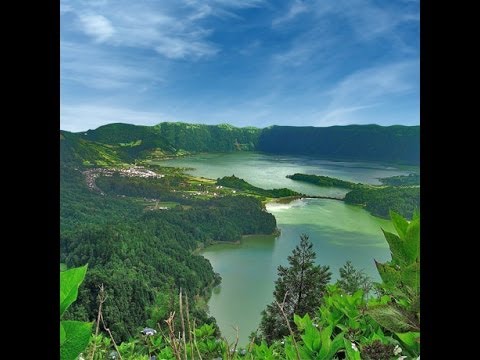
243 62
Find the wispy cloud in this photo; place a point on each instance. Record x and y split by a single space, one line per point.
96 68
239 4
296 8
374 82
341 115
172 29
248 62
97 26
367 18
325 30
368 88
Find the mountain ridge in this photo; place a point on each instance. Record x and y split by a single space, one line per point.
128 142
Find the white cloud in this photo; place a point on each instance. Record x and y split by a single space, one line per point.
341 116
296 8
368 88
239 4
97 26
176 48
366 20
317 42
173 29
377 81
98 69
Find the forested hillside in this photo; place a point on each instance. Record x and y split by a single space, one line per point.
139 227
309 319
379 201
354 142
140 250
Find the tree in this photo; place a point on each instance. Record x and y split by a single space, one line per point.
300 287
352 280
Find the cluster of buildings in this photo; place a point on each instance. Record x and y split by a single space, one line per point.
136 171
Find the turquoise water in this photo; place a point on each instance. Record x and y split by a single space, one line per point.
338 231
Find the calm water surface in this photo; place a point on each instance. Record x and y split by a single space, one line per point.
339 232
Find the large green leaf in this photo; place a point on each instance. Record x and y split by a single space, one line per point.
350 352
391 318
326 343
290 351
336 345
311 338
397 248
77 334
412 241
63 335
410 276
411 339
400 223
70 280
390 276
302 322
416 214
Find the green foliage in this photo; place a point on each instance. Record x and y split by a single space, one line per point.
100 346
143 256
379 201
356 142
324 181
351 350
263 351
299 287
209 138
74 335
411 340
135 252
116 143
76 151
317 343
75 338
240 184
351 280
401 283
402 180
391 317
344 326
405 251
134 142
70 280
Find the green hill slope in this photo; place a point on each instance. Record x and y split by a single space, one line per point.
400 144
354 142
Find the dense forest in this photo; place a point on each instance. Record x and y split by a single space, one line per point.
234 182
324 181
355 142
139 250
138 227
402 195
379 201
402 180
310 318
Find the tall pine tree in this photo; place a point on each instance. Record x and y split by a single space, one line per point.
303 282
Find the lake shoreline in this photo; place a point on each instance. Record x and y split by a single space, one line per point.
339 232
203 247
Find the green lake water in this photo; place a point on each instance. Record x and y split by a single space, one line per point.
338 231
